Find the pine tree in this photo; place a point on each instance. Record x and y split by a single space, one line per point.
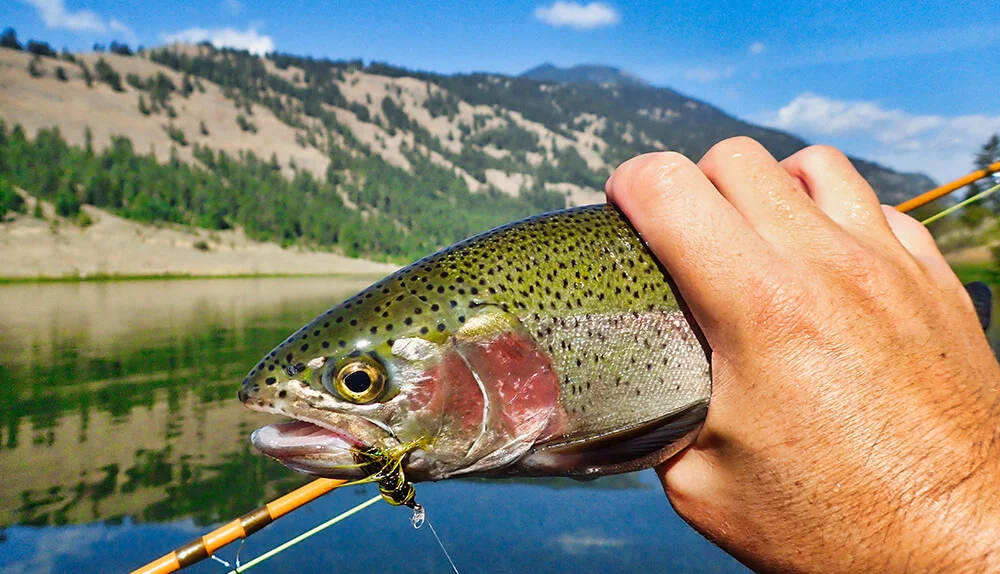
986 156
88 141
973 215
87 78
9 199
990 153
9 40
33 67
108 75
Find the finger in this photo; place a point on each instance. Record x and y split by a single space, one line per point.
837 188
701 239
915 238
753 181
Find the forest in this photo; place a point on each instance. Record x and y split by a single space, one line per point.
412 213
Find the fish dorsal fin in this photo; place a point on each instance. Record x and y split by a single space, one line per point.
625 450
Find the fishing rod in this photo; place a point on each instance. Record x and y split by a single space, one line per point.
204 547
939 192
201 548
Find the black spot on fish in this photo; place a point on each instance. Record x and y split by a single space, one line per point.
270 380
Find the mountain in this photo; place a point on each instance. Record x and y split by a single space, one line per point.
365 160
582 74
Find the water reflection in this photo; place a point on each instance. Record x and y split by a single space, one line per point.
118 397
121 438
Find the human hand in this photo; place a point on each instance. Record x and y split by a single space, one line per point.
855 414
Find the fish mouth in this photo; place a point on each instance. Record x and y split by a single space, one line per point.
310 448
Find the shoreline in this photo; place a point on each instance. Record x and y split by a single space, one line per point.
108 278
111 248
966 271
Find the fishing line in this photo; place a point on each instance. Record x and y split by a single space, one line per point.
960 205
445 550
307 534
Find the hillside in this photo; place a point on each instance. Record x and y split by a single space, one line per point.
109 246
365 160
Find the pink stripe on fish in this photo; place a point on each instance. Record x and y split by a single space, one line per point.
521 382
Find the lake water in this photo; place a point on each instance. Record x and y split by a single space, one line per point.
121 438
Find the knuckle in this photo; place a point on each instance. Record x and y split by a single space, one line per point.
816 155
658 172
729 146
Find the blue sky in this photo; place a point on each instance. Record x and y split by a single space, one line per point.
913 85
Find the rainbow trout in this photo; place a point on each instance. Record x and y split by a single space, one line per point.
551 346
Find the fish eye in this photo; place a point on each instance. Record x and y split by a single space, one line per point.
359 381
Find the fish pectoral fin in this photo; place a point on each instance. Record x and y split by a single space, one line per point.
624 450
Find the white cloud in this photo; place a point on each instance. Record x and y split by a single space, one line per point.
758 48
127 33
705 75
941 146
577 15
250 39
55 15
234 7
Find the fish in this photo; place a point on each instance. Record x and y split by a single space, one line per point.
556 345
